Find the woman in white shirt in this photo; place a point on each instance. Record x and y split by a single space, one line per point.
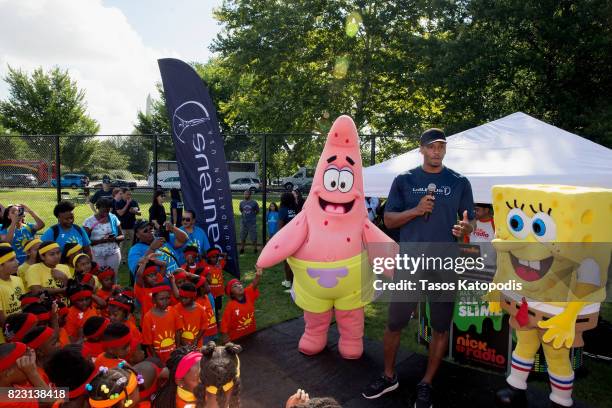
104 229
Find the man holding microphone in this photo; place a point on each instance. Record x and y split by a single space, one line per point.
429 204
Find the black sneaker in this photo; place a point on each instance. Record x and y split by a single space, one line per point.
423 396
380 386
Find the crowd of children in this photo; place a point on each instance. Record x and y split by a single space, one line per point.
67 323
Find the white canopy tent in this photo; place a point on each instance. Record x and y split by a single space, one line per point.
516 149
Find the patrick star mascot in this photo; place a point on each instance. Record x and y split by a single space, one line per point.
326 245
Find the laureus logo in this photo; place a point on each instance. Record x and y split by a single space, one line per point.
188 115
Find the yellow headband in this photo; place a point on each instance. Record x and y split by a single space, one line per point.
5 244
228 385
73 250
7 257
76 258
49 247
30 244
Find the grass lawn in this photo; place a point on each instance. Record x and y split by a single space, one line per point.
275 305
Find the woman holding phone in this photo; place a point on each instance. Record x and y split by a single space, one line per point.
104 230
16 231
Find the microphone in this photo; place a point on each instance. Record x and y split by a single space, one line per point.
431 189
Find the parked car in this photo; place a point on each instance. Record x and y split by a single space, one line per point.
246 183
118 183
72 180
18 180
169 182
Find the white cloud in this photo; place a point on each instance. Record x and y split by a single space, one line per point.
97 45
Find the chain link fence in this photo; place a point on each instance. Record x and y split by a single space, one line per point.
30 174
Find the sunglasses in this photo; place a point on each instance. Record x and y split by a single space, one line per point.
146 230
187 219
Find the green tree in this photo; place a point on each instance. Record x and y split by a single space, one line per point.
48 103
45 103
549 59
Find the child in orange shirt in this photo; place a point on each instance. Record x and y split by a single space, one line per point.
18 367
116 342
120 309
44 341
193 318
239 316
148 275
115 387
216 260
193 260
93 329
160 326
207 301
80 310
17 325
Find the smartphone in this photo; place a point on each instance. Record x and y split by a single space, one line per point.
21 211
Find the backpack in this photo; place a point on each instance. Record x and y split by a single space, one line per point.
55 229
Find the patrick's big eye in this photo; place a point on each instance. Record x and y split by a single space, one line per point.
345 180
330 179
517 223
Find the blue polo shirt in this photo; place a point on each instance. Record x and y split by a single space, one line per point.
453 195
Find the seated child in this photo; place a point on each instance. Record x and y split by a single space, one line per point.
31 250
84 272
17 325
69 253
219 376
48 273
239 316
67 368
160 325
192 317
80 310
114 387
116 342
120 309
11 286
93 329
18 370
44 341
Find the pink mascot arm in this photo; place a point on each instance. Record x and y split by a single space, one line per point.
285 242
378 244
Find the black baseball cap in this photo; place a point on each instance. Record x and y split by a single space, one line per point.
432 135
140 224
106 179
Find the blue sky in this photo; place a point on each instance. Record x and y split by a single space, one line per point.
110 47
184 26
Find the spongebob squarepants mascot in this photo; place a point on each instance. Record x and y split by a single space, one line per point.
556 242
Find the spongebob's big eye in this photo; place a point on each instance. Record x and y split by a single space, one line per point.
330 179
544 227
517 222
345 180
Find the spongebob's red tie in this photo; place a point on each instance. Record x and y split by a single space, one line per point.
522 317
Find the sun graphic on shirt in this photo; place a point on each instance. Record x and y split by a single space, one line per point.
245 321
214 280
190 332
165 340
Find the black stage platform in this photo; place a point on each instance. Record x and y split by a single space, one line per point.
273 369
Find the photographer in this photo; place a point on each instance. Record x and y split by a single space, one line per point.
16 231
163 242
104 230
